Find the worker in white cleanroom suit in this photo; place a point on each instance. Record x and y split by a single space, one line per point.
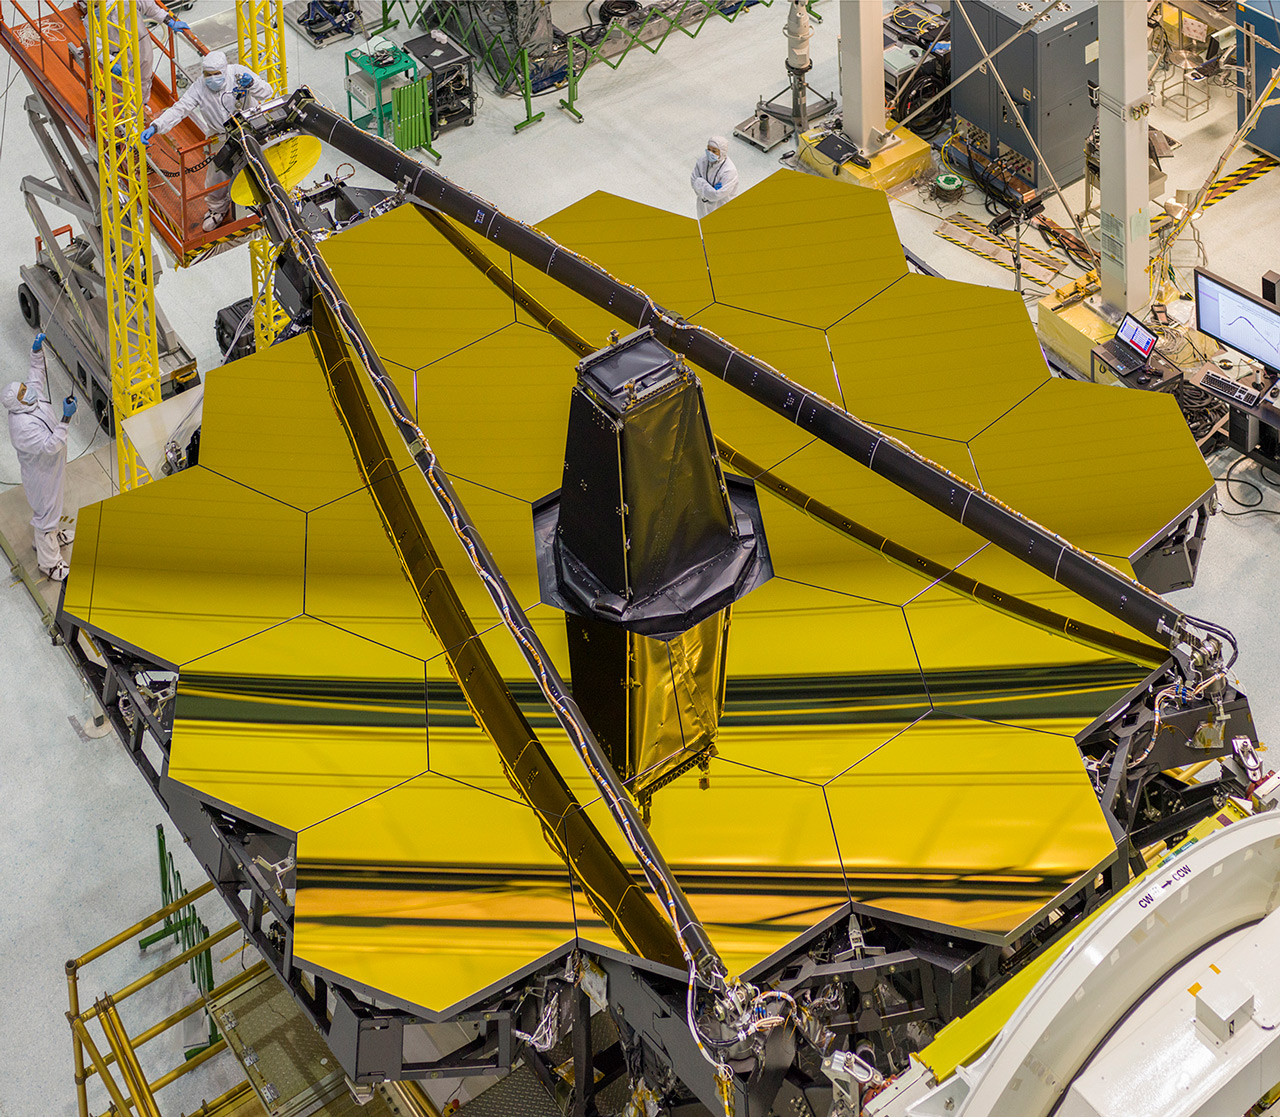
222 90
39 438
148 11
715 178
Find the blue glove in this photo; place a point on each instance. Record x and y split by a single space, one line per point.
38 344
177 24
69 407
718 185
243 81
147 133
116 69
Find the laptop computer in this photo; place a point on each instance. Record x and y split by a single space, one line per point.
1132 346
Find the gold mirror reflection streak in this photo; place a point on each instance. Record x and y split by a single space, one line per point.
892 733
613 892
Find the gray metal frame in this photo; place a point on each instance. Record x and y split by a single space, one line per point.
66 284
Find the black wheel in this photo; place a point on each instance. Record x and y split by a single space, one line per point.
29 306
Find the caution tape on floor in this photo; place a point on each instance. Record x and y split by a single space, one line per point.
1227 185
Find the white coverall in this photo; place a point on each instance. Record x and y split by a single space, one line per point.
708 173
147 10
39 438
213 110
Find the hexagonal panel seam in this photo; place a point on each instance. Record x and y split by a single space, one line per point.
366 800
512 798
1008 411
253 489
701 310
361 636
240 640
493 489
915 651
894 431
476 341
842 593
411 468
706 262
949 715
835 838
763 314
788 457
939 582
768 771
886 287
883 744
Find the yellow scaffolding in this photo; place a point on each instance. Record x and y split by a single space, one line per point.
261 33
126 223
260 27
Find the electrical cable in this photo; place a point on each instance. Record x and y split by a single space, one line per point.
1022 124
985 61
4 108
906 98
612 10
1251 509
1200 408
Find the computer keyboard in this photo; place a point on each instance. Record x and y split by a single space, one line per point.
1230 389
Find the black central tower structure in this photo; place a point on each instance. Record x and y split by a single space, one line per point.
645 547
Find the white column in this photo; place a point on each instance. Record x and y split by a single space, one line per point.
1126 216
862 70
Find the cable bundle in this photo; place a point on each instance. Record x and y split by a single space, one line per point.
947 188
1200 408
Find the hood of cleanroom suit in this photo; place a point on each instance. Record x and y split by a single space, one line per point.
14 405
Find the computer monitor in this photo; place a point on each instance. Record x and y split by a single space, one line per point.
1238 320
1136 336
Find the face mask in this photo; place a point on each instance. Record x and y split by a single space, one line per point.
28 394
713 155
215 82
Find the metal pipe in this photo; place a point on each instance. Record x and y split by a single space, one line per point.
77 1049
169 966
113 1091
685 923
222 1101
137 929
1044 550
140 1093
177 1072
159 1028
